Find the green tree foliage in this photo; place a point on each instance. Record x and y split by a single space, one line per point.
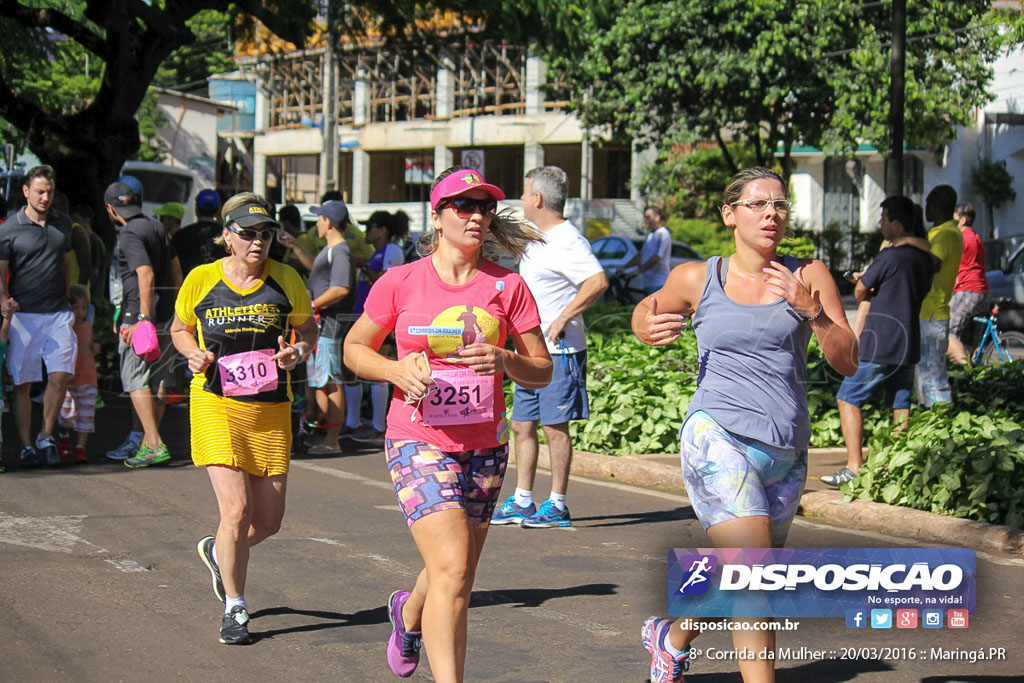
211 53
73 74
772 73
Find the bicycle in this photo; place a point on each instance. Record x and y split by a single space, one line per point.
995 346
621 290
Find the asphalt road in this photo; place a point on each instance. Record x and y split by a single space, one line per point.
100 581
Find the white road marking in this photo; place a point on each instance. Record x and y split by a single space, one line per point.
341 474
54 534
329 541
127 566
390 508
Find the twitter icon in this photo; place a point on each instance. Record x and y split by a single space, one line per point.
881 618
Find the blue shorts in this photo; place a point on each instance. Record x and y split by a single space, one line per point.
325 364
564 399
729 476
897 381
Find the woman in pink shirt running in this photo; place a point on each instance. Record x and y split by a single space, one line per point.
447 431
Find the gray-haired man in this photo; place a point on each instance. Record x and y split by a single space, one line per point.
566 279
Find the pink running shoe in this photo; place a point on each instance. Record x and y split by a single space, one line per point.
403 646
664 667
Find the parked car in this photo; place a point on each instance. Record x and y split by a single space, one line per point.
1008 283
615 251
162 183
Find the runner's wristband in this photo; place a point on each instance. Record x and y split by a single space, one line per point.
803 318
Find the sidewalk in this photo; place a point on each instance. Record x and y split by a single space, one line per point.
818 502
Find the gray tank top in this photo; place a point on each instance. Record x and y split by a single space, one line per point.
753 365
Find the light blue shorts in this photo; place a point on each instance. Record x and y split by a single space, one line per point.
325 363
729 476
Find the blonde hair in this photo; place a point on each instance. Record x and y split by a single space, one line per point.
507 234
234 203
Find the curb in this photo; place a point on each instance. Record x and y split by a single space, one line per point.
916 524
827 506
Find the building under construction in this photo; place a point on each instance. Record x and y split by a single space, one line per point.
377 122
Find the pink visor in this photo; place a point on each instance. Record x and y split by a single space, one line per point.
461 182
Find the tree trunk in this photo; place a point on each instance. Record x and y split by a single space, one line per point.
87 152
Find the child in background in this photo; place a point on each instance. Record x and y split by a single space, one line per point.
79 407
5 335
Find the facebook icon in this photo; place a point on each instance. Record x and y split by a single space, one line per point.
856 618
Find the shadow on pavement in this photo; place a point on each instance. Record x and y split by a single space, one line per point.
530 597
970 679
627 518
366 617
534 597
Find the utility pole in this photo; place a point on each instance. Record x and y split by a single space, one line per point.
897 88
328 156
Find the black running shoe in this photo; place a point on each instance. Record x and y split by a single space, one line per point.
234 628
205 548
30 457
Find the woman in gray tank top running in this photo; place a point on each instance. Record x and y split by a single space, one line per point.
745 435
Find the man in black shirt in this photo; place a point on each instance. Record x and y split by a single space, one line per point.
35 246
195 243
896 282
150 277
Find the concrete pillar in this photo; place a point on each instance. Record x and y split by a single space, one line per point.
443 158
259 159
259 174
586 169
445 95
636 162
360 176
361 99
533 156
534 81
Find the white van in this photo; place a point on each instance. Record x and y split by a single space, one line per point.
162 183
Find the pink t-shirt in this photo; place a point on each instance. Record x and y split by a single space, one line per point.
430 315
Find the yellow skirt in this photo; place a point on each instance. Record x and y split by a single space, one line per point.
256 437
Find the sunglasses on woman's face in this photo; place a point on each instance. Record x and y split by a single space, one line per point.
466 207
264 235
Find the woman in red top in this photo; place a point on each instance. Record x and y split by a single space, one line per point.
970 293
447 432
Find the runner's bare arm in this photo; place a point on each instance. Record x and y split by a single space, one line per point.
291 355
659 318
837 340
184 339
362 357
529 365
590 291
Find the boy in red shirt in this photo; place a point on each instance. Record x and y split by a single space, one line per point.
970 293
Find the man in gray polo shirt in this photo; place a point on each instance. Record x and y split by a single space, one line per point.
35 246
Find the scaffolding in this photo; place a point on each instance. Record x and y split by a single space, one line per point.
487 78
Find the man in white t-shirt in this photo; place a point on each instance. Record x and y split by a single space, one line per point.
656 255
566 279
